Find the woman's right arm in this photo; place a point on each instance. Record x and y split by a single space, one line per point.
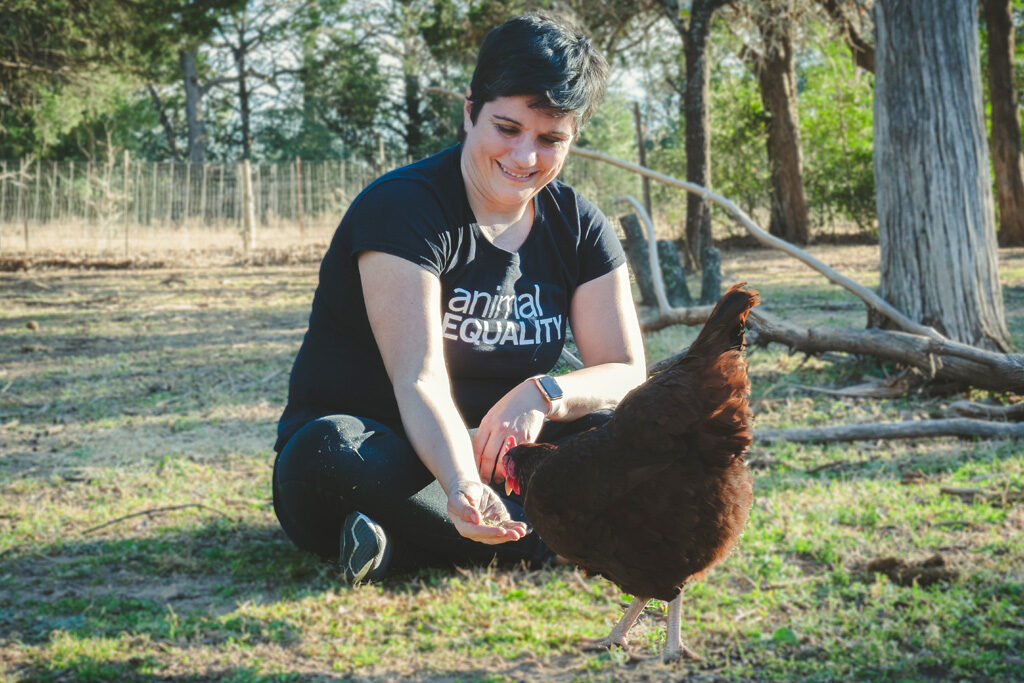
402 303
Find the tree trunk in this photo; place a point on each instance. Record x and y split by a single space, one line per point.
935 218
172 143
777 79
414 115
698 138
1006 152
243 97
193 107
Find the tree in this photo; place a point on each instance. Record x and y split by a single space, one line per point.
59 50
342 92
694 34
1006 151
935 215
251 41
769 52
850 17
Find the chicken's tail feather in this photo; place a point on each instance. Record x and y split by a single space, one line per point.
726 325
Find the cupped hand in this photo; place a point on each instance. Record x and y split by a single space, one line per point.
520 414
480 515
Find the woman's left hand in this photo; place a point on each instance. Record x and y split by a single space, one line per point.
519 413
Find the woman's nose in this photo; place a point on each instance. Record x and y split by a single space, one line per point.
525 154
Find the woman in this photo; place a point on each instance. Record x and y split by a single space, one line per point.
442 304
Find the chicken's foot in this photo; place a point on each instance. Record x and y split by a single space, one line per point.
618 635
674 648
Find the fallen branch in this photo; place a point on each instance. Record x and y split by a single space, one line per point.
961 427
970 495
1014 412
155 511
942 359
865 390
840 464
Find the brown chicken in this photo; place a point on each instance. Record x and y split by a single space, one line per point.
660 493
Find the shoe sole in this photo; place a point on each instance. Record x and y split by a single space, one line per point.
361 543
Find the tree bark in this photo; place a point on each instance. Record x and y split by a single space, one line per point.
935 217
193 107
413 113
695 114
961 427
1006 149
777 78
698 134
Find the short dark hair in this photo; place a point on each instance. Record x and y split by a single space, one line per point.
544 55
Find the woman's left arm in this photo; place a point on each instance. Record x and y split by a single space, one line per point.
607 333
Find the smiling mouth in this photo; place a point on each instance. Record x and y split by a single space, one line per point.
510 174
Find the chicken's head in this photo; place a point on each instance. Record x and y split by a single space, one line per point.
520 463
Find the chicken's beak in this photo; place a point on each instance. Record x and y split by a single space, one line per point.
508 488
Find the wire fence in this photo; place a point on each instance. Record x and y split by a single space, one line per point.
130 207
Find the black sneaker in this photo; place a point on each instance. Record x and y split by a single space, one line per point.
364 550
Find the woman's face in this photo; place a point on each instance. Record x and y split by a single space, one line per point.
513 151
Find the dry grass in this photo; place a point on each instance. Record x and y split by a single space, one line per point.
159 388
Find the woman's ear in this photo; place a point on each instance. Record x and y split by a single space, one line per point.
467 120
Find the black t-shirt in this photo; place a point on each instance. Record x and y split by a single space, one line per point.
503 314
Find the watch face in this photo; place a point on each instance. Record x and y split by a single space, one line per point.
550 386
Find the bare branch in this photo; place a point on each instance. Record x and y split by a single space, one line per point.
961 427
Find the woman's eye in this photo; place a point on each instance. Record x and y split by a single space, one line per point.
506 130
549 142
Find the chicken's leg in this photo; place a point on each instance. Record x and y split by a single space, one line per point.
674 648
618 634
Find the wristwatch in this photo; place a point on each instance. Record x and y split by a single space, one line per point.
549 389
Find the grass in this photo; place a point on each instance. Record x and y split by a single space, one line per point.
159 390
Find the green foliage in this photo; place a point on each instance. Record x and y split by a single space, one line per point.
836 137
611 129
739 162
342 90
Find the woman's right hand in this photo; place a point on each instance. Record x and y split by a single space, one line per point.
480 515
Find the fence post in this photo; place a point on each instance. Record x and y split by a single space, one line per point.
170 192
71 189
22 204
151 214
202 198
3 200
220 194
298 190
275 198
137 194
89 205
35 204
188 192
124 195
54 177
249 207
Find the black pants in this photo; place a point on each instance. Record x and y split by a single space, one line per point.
341 463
